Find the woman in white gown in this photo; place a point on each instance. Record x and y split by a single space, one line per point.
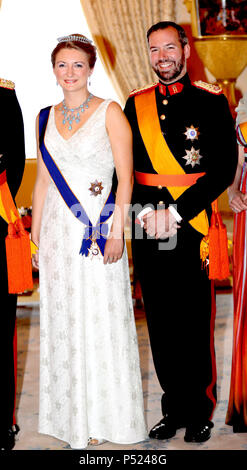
90 382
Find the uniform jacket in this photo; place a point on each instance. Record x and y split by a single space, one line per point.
12 147
209 114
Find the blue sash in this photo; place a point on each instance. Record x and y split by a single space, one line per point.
97 233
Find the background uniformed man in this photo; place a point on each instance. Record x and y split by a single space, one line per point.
12 159
190 127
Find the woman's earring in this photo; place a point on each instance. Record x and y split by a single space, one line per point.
89 81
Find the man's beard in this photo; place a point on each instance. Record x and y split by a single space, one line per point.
170 75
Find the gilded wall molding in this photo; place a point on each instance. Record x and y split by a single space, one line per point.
188 4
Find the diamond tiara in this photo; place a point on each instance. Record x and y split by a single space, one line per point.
73 37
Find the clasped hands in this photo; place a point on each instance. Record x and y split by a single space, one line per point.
160 224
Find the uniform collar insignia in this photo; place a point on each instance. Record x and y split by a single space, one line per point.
172 89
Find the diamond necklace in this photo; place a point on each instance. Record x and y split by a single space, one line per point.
73 114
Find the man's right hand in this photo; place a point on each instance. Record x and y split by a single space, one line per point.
160 224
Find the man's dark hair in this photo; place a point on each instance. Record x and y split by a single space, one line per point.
170 24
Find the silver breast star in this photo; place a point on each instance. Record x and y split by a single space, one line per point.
193 157
191 133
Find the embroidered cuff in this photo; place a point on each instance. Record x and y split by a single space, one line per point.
142 213
175 213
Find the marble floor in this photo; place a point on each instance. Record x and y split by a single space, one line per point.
28 384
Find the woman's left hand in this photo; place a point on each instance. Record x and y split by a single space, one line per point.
113 250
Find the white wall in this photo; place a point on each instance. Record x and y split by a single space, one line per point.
28 33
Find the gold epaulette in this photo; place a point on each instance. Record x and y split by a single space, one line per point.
7 84
215 89
138 91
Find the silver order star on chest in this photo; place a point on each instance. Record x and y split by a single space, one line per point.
193 157
191 133
96 188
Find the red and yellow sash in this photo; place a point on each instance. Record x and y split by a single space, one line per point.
159 153
18 250
214 243
243 128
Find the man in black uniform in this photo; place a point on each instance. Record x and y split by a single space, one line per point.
12 161
185 156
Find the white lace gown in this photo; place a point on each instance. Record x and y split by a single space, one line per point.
90 382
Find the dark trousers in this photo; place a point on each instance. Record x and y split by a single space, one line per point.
179 305
7 330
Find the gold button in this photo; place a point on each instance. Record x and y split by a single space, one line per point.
159 187
165 101
161 203
162 117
